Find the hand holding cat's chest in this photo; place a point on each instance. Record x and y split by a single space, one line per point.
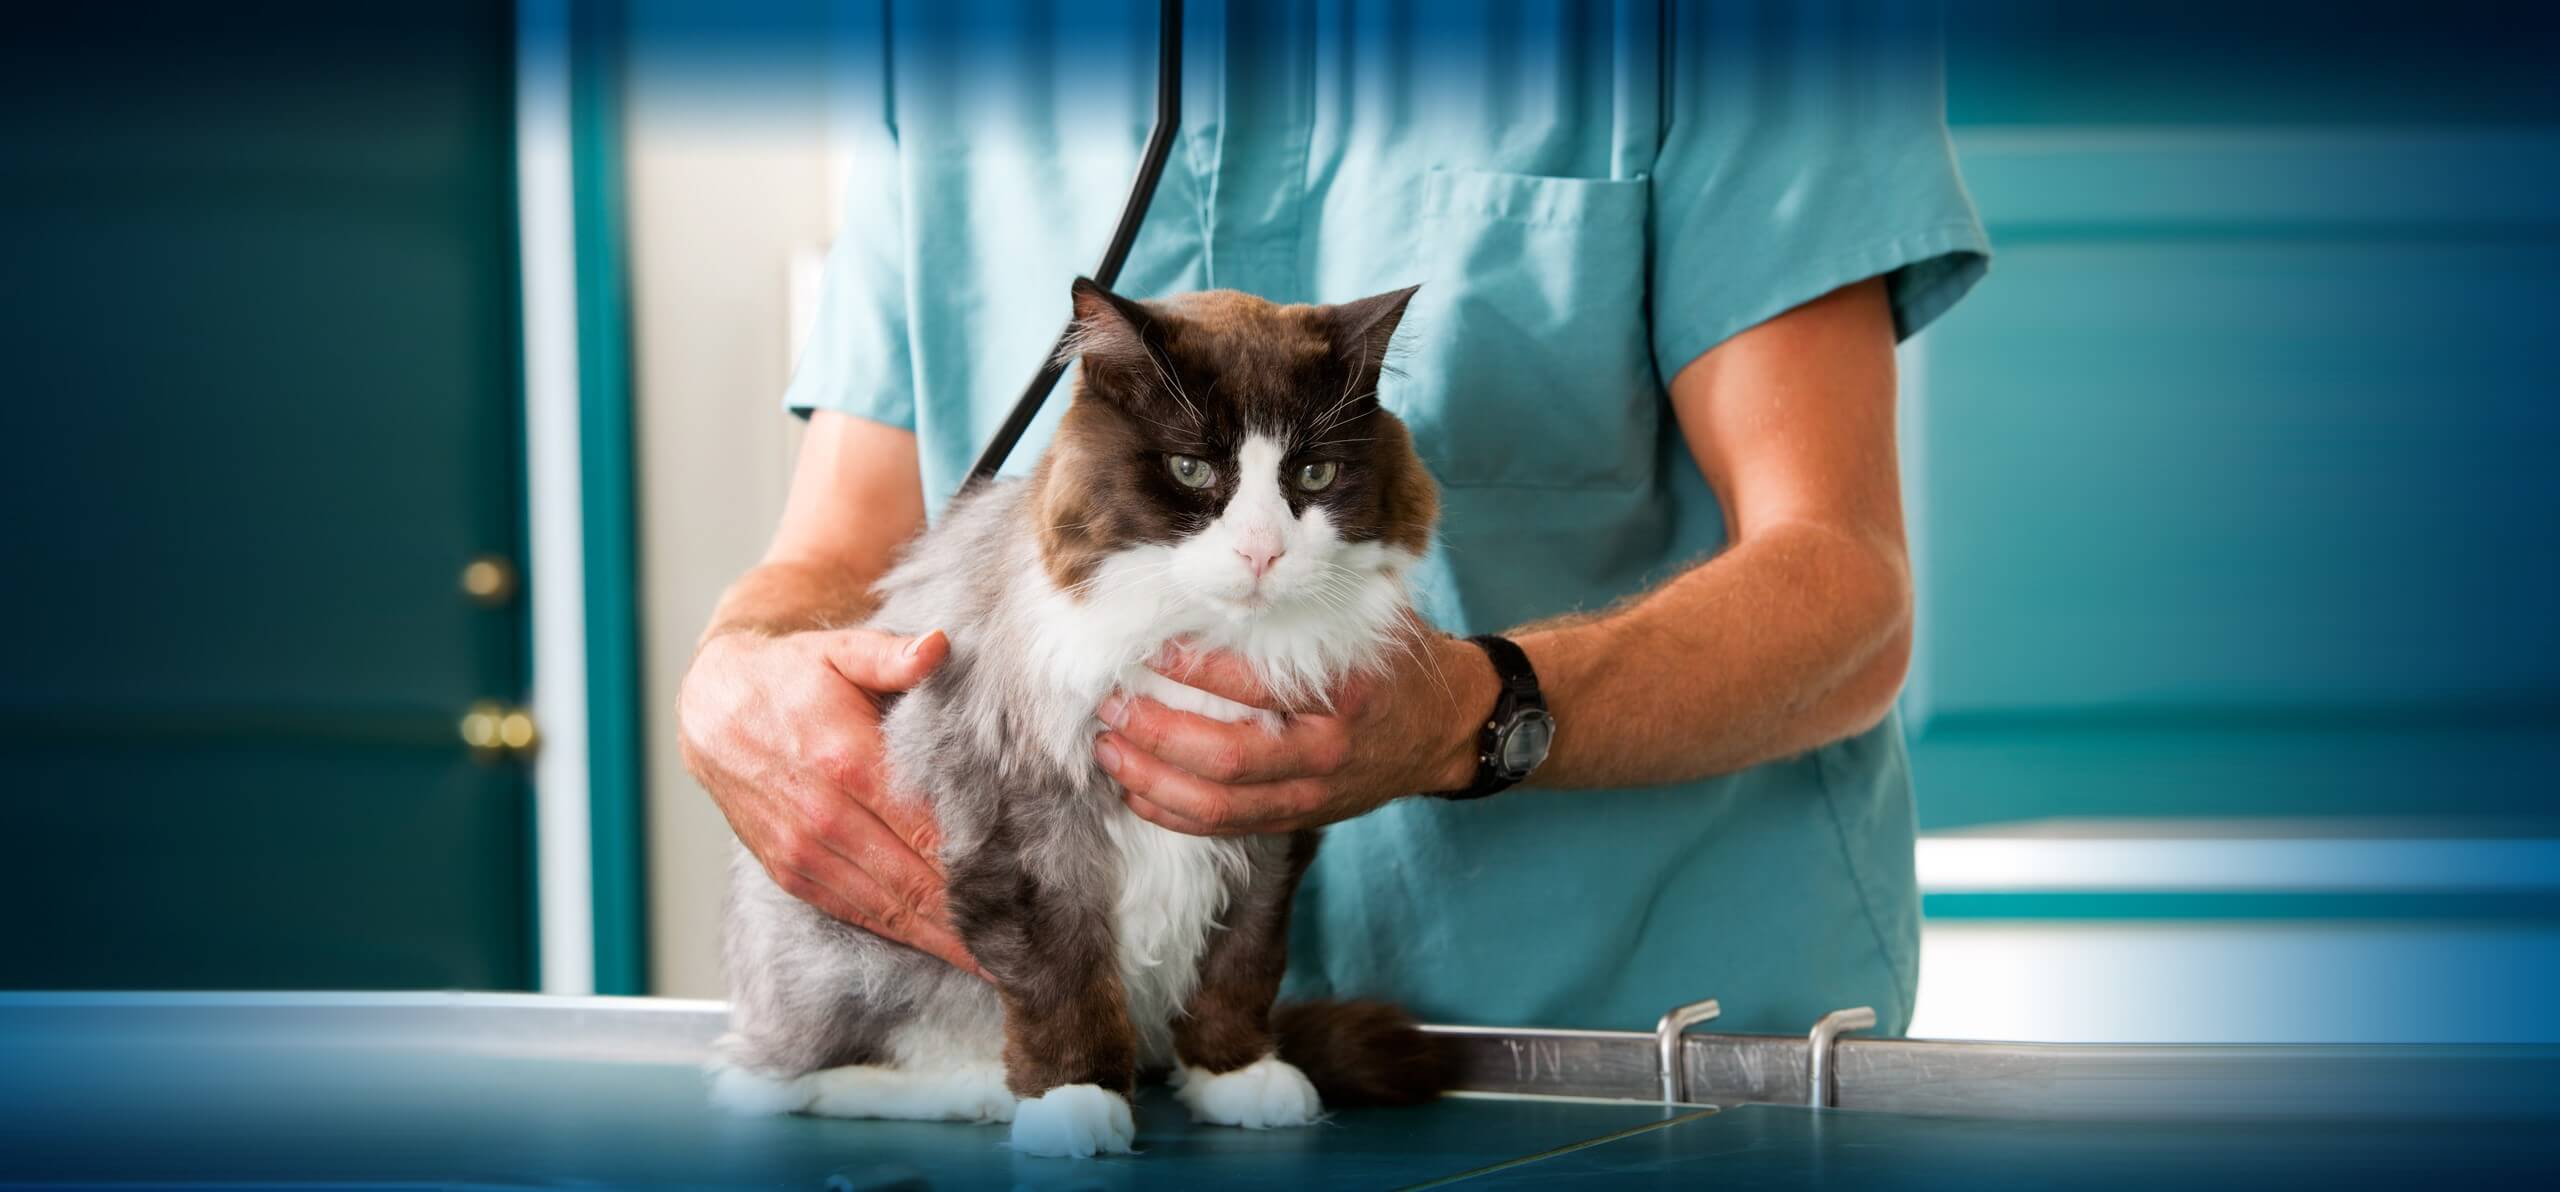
1173 887
1080 647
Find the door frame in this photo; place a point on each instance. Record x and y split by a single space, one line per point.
591 906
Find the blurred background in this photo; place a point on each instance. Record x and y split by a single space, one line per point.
394 387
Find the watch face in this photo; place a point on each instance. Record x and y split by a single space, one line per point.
1526 741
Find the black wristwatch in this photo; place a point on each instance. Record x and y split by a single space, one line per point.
1518 734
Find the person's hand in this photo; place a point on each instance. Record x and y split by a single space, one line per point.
785 734
1409 729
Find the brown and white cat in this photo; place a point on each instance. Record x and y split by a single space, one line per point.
1224 476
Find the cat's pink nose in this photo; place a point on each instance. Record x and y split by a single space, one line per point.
1259 559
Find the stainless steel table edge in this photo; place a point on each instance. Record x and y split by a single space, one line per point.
1944 1078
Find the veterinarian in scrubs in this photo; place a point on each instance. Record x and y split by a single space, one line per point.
1665 254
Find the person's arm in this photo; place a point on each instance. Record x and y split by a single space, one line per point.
1796 635
1799 633
856 496
779 713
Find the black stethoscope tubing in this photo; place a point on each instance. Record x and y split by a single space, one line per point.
1142 191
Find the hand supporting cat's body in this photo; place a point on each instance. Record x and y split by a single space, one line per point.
1272 517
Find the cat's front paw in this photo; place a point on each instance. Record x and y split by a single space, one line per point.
984 1095
1258 1096
1074 1119
754 1094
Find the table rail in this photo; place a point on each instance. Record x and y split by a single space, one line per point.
1943 1078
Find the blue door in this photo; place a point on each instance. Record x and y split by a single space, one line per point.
262 420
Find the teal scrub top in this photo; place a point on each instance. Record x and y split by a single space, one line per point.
1591 195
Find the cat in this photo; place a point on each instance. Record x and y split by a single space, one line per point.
1224 477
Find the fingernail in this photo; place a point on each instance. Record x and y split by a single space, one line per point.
1112 708
915 645
1106 753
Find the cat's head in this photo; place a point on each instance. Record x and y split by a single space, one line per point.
1234 451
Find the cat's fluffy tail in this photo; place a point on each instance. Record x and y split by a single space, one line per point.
1363 1053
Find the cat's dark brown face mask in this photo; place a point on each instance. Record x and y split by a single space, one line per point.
1240 440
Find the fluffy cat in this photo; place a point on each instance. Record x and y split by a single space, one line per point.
1223 476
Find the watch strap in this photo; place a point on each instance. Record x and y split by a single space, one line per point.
1511 666
1519 690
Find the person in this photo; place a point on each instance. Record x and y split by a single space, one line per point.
1665 256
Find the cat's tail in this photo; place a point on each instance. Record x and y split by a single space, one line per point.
1363 1053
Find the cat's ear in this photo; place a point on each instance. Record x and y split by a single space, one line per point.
1111 332
1363 329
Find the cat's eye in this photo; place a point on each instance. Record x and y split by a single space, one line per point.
1191 471
1318 476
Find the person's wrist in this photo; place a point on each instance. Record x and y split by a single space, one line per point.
723 635
1474 688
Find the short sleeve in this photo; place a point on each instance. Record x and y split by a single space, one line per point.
857 360
1804 148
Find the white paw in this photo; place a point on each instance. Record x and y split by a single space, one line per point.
741 1091
1265 1093
1074 1119
981 1094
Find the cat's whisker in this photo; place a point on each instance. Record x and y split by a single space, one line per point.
1093 589
1159 424
1334 599
1404 641
1083 523
1173 388
1337 587
1327 421
1329 426
1124 580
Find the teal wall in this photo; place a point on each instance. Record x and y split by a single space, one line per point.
2233 486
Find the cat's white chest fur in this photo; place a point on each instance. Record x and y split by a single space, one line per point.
1172 890
1173 887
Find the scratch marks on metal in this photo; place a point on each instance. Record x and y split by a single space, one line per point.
1531 1058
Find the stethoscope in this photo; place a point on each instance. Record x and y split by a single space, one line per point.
1142 191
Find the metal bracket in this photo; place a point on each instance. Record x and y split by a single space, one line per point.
1666 1041
1821 1076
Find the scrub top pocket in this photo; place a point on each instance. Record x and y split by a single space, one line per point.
1528 363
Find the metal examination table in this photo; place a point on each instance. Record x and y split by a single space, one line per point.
497 1090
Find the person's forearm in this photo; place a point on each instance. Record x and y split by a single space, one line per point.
1793 638
854 500
781 596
